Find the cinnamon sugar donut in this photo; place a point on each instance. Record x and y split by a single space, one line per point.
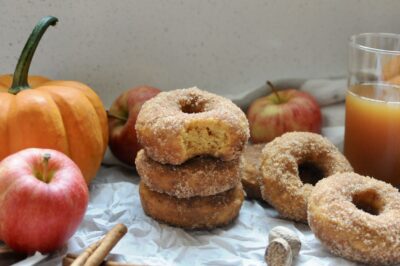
357 217
291 165
192 213
177 125
199 176
250 173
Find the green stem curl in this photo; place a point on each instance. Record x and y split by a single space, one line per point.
20 78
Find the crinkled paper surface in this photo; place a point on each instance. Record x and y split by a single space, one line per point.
114 199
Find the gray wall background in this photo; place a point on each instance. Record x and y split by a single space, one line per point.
226 46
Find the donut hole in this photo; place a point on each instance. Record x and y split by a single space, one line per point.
192 105
368 201
310 172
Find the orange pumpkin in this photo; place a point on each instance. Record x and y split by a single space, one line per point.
66 116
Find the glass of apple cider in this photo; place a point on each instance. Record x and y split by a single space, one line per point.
372 127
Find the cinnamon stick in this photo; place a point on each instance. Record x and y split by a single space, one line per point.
82 258
70 258
106 244
95 253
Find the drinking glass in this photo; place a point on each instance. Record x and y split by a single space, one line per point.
372 125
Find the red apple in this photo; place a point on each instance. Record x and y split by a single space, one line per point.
43 198
283 111
122 116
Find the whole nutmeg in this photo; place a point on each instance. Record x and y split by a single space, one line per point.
278 253
287 234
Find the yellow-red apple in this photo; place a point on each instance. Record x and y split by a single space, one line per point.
283 111
43 198
122 119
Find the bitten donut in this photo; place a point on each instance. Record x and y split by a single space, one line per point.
192 213
357 217
199 176
250 170
177 125
291 165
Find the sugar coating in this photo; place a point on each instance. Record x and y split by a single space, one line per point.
351 232
280 183
250 171
177 125
199 176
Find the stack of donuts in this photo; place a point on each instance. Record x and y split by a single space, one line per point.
189 165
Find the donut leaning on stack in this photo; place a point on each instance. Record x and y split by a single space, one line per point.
189 167
250 170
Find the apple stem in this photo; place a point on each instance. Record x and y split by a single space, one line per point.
46 158
116 116
269 83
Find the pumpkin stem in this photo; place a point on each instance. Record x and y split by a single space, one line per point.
20 78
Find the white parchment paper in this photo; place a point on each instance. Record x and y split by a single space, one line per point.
114 199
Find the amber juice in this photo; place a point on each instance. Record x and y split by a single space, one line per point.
372 131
